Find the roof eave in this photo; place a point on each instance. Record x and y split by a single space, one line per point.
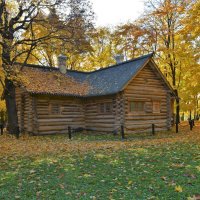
72 95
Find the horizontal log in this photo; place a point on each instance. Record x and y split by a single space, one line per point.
44 116
145 131
144 118
144 126
145 94
63 124
100 129
99 117
146 123
58 128
99 125
52 120
100 120
145 114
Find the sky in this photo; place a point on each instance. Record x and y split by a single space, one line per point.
113 12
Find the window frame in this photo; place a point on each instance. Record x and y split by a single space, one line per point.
51 112
103 109
138 103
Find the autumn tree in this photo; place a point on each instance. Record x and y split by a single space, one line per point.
73 39
163 20
100 54
190 85
21 23
129 40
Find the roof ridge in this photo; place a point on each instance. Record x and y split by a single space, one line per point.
37 66
47 67
105 68
124 62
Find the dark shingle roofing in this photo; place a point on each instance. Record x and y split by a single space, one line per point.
101 82
112 79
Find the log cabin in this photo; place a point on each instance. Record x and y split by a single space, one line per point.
133 93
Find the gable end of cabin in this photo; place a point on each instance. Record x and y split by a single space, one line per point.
148 101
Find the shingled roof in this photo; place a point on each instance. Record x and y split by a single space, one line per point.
110 80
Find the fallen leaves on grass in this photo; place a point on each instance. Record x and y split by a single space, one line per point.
178 188
195 197
198 168
12 148
148 168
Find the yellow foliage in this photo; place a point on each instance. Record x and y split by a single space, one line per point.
178 188
60 145
2 103
2 106
130 182
198 168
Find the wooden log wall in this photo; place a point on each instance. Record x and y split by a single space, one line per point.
119 110
34 116
147 86
24 110
18 96
71 114
94 120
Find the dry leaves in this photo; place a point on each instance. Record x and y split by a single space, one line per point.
36 146
178 188
49 81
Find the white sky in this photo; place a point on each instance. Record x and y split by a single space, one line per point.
113 12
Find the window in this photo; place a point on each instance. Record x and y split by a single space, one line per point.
55 109
136 106
156 106
105 108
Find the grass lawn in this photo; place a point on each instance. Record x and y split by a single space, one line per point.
165 166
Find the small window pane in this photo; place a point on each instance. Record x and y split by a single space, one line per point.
108 107
136 106
55 109
105 108
132 106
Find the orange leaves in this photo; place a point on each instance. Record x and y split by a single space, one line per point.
51 82
60 145
2 103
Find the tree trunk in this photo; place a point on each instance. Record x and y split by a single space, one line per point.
177 107
190 115
13 127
